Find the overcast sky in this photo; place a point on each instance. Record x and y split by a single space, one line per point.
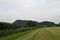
37 10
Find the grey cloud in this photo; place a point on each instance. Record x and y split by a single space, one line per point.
38 10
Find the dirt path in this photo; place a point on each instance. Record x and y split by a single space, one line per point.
42 35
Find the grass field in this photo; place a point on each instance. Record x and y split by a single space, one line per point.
52 33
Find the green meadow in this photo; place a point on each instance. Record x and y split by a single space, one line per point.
51 33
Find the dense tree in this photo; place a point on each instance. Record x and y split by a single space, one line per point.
28 24
4 25
31 23
58 24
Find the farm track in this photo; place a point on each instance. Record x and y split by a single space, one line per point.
36 34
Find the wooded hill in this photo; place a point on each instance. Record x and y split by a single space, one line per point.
26 24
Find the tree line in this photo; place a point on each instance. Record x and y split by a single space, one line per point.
30 24
4 26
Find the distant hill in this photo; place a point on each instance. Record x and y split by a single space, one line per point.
44 23
47 23
22 22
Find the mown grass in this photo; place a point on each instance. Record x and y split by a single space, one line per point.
52 33
35 35
28 36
